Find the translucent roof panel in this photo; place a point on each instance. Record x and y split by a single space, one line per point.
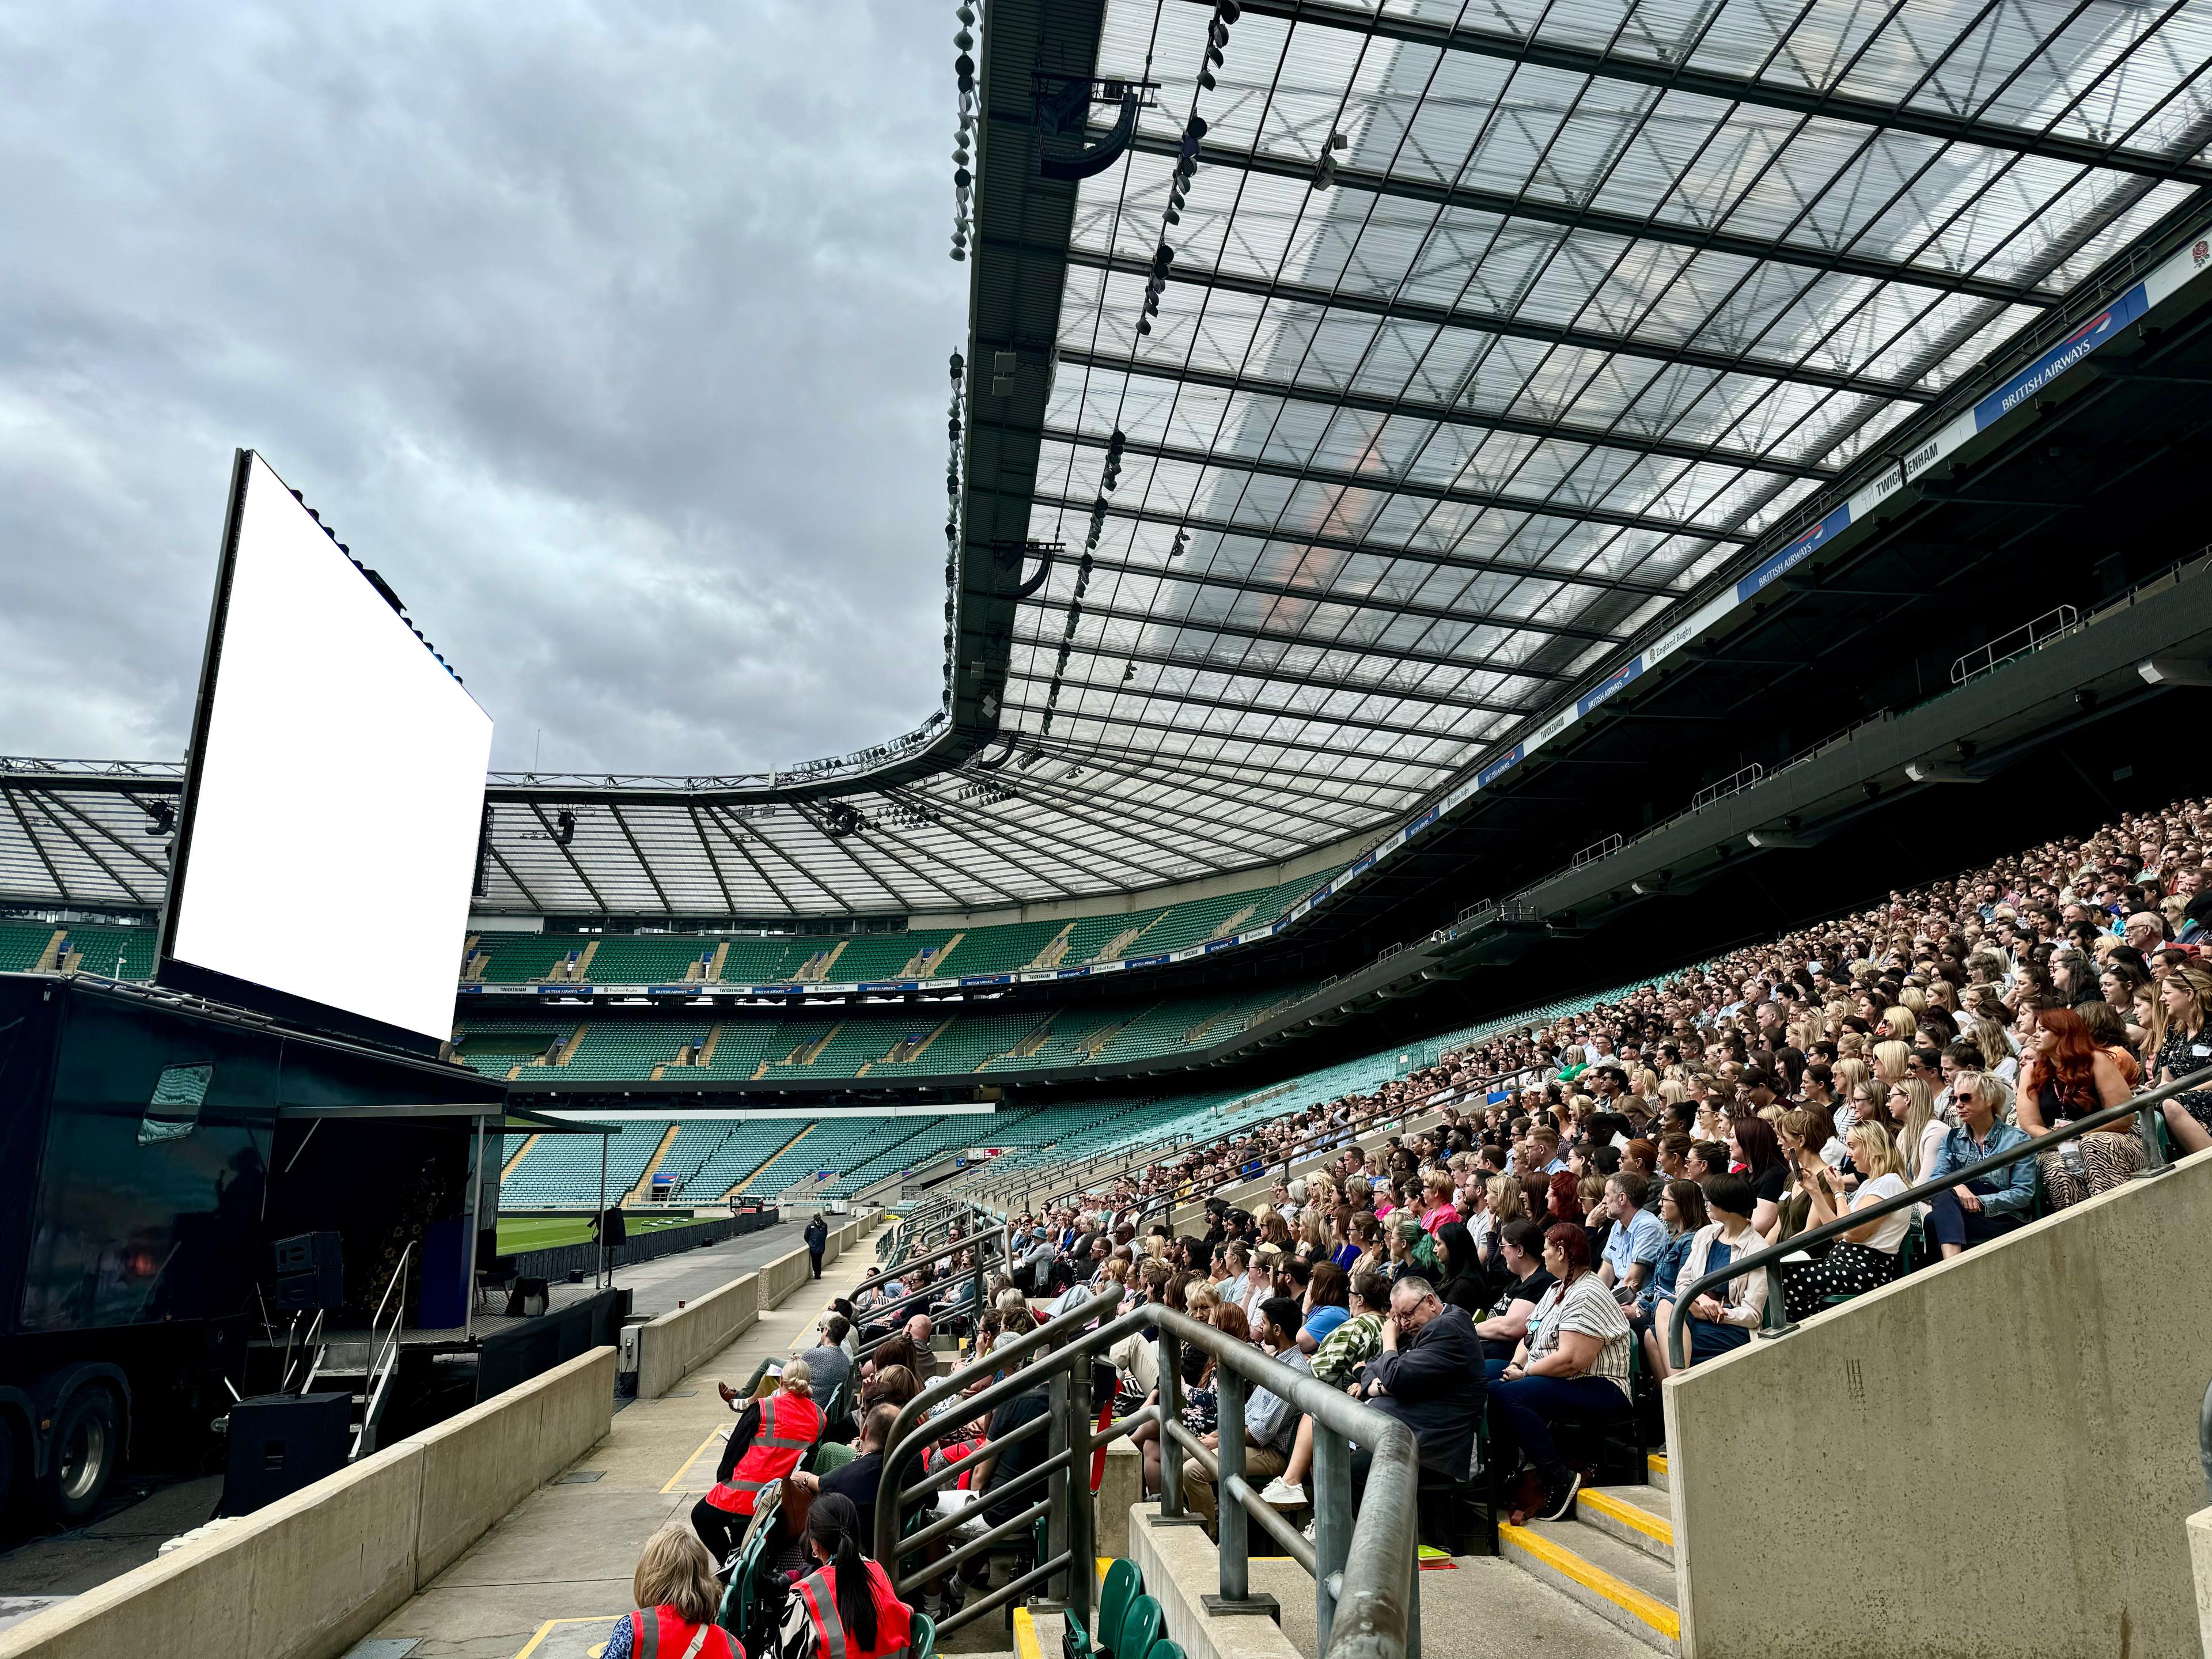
1472 339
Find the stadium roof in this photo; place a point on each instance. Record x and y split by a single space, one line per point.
1487 342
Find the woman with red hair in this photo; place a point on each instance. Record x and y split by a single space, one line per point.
2064 1075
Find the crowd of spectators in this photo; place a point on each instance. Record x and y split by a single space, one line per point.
1577 1177
1511 1231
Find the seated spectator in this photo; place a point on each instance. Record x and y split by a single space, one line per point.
2064 1076
858 1479
1504 1202
1972 1213
1865 1257
830 1367
678 1596
1716 1324
1632 1248
2180 1044
1269 1424
1465 1285
770 1437
1682 1212
1521 1252
1576 1364
846 1608
1329 1293
1756 1154
1428 1374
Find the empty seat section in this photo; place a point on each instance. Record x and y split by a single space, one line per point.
1004 950
22 945
495 1050
519 958
563 1169
620 1049
648 960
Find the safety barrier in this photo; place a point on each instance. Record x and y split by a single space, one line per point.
1365 1587
309 1575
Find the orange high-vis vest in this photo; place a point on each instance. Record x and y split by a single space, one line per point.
663 1633
894 1618
790 1424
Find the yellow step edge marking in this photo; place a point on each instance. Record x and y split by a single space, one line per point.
1629 1515
1657 1462
1565 1562
713 1435
546 1630
1025 1637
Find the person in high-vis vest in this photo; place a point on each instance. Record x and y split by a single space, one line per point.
771 1437
845 1609
677 1596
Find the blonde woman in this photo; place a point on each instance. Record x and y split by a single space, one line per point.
1848 1075
1892 1057
2180 1043
1920 1129
1864 1257
678 1596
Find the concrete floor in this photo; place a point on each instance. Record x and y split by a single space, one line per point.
548 1580
139 1517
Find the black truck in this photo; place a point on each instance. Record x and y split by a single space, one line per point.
153 1149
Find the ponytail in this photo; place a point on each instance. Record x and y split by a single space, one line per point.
834 1522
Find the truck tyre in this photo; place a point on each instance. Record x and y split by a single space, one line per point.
86 1451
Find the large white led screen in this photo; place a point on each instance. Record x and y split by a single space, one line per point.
339 790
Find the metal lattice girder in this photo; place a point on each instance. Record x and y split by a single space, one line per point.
1580 338
1597 221
1440 558
1384 483
1265 711
1454 34
1241 582
1246 669
1421 408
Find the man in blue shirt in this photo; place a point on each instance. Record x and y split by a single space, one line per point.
1972 1213
1632 1249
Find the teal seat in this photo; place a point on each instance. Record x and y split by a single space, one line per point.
922 1640
1165 1649
1123 1586
1140 1628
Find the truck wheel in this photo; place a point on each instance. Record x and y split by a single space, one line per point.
88 1445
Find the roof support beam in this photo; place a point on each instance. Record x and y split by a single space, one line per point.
1599 221
1235 630
1281 676
1442 559
1449 36
1418 409
1391 484
1264 711
1515 328
1436 613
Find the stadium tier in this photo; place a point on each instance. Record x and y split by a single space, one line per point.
494 957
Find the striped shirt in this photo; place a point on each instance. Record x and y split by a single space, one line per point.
1588 1307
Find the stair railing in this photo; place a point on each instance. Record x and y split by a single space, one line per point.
1362 1558
383 1356
1776 1321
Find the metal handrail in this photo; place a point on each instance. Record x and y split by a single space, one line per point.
2063 620
1769 1260
382 1362
1366 1587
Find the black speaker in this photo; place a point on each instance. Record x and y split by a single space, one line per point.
279 1442
310 1273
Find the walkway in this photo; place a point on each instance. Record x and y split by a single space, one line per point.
548 1580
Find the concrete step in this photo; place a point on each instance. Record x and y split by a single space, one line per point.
1638 1516
1658 1462
1627 1588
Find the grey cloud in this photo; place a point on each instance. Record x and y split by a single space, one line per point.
614 335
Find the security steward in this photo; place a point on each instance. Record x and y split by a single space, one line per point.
676 1598
771 1437
846 1608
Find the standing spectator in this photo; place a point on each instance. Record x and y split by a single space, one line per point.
818 1240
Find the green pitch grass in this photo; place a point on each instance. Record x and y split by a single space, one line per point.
518 1233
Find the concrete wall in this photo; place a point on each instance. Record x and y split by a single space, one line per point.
309 1575
479 1465
670 1346
1997 1456
1181 1566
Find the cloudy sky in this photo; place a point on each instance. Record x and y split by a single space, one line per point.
614 335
